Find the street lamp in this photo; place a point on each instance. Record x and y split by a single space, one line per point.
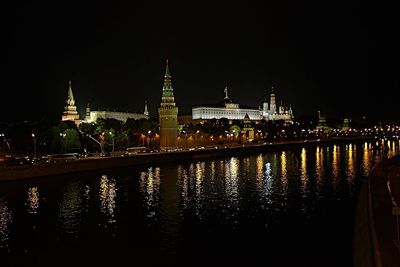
62 135
4 149
148 139
195 138
101 145
112 138
34 145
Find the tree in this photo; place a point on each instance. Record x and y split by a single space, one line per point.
121 140
235 130
71 140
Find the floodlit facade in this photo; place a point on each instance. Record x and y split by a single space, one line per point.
70 113
233 111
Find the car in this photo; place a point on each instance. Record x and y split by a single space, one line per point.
16 160
57 158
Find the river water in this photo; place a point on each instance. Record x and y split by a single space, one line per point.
272 209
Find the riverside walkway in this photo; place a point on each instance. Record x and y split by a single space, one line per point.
117 161
377 221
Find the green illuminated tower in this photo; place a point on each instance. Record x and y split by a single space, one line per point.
168 114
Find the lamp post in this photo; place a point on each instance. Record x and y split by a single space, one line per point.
62 135
112 138
4 149
195 138
34 145
148 139
101 145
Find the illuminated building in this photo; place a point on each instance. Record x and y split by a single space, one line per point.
322 126
271 113
70 113
168 114
92 116
346 124
248 129
233 111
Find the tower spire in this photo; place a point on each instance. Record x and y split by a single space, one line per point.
70 98
168 91
70 112
167 70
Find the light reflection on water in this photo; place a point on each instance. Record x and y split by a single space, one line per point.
33 200
226 193
107 195
303 172
149 182
351 170
284 178
5 221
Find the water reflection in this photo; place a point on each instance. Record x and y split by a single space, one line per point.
183 182
33 200
366 160
5 222
319 166
199 200
351 170
231 180
70 209
303 171
107 195
260 172
268 180
150 189
284 179
200 169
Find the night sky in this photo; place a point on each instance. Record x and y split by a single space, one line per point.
340 57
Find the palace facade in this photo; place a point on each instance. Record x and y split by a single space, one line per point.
233 111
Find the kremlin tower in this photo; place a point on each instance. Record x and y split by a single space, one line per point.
70 113
168 114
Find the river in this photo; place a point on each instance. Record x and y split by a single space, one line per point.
272 209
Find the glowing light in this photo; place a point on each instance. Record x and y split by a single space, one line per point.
33 200
351 170
150 189
284 180
336 164
108 194
319 166
366 161
303 170
5 221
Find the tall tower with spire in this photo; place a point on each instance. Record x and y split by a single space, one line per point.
272 103
70 113
146 111
87 117
168 114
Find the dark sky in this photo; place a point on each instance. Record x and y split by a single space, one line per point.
337 56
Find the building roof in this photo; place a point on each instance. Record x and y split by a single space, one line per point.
222 105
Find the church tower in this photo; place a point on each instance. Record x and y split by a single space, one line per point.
168 114
70 113
87 117
272 103
146 111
